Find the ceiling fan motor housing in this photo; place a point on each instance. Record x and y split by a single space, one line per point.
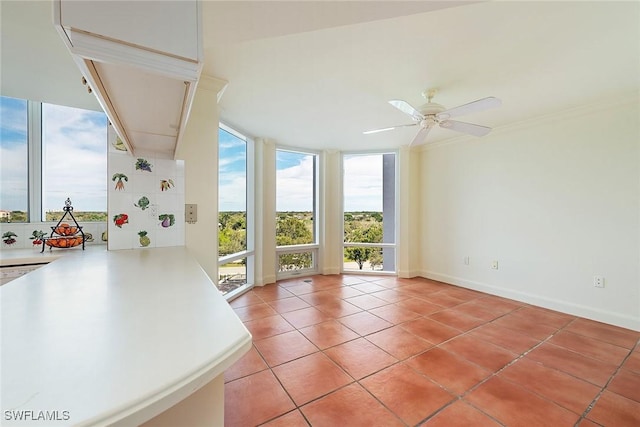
431 109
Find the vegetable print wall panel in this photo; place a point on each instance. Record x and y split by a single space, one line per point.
146 200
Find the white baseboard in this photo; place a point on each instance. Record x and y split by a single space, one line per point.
261 281
408 274
592 313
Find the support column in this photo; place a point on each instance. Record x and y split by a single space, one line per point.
265 211
408 242
199 150
331 238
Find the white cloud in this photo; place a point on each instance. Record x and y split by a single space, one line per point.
294 187
230 142
13 178
363 183
75 162
232 195
226 161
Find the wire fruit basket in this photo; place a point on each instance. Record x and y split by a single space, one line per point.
63 234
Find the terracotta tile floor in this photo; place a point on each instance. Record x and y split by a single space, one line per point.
379 351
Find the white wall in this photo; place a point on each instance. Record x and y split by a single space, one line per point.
265 161
331 207
409 213
199 150
555 201
139 183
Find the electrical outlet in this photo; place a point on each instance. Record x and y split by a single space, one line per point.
598 281
494 265
466 260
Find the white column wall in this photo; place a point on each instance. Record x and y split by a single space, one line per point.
265 211
331 207
410 223
199 150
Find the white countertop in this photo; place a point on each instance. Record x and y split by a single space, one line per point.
113 337
34 256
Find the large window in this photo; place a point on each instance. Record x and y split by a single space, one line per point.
296 212
74 162
369 188
235 219
14 159
51 153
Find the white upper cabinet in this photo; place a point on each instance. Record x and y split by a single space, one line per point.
142 60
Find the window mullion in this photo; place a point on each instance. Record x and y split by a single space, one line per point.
34 144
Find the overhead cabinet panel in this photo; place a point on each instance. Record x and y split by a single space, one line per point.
142 60
169 27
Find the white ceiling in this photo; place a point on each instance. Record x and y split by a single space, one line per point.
315 74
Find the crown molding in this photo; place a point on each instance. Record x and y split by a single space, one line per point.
569 113
213 84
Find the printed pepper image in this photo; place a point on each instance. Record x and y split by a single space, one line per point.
120 219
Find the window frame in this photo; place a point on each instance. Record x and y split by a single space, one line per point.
249 252
314 247
35 162
382 245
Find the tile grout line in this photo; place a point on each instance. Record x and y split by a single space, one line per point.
496 373
606 386
463 333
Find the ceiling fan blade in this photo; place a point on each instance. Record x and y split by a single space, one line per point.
421 137
406 108
472 107
464 127
368 132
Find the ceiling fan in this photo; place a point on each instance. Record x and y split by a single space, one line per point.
429 115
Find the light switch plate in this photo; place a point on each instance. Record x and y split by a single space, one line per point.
191 213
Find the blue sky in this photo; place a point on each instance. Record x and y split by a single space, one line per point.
233 171
75 150
294 177
13 154
74 157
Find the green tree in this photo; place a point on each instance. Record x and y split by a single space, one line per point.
375 258
232 232
363 232
294 230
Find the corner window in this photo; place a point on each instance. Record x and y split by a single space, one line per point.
14 159
235 217
51 153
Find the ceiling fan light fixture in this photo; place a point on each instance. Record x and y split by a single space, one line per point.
428 121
